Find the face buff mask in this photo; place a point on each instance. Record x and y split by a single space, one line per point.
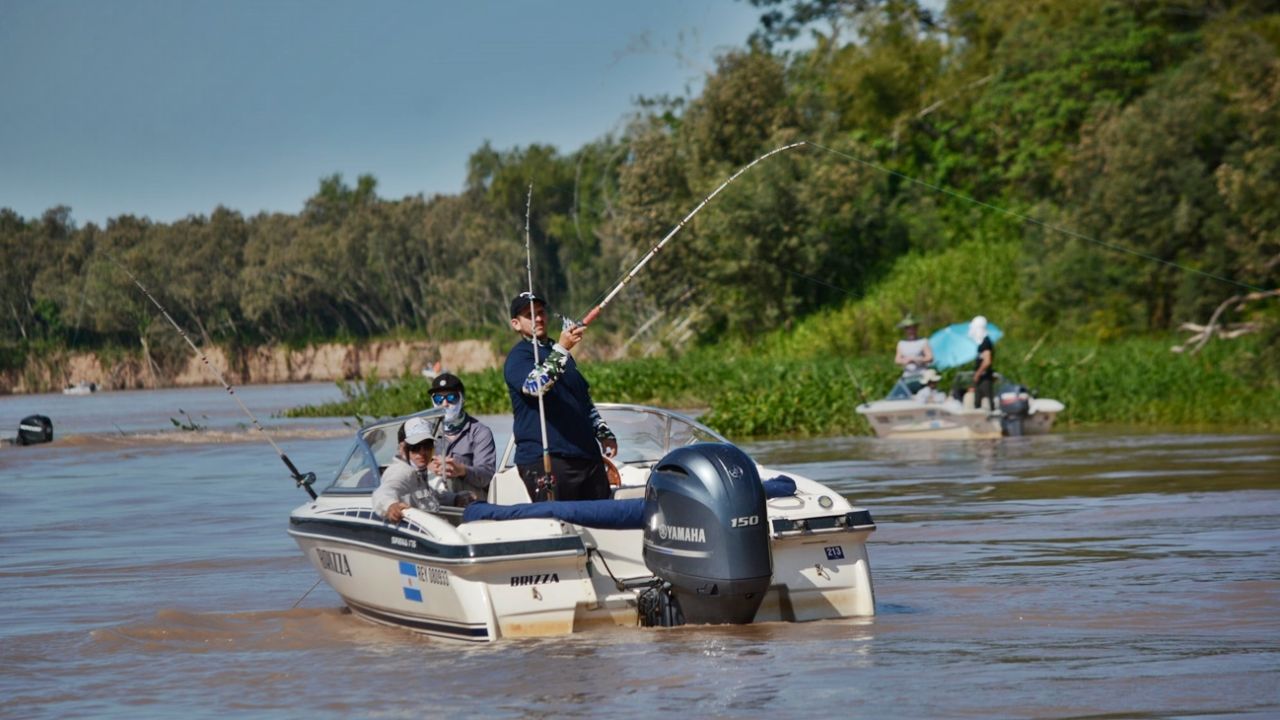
454 416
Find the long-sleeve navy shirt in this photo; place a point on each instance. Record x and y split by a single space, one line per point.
573 424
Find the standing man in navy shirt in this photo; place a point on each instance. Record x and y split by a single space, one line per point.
576 434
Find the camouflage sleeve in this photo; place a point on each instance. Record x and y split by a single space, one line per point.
602 430
545 375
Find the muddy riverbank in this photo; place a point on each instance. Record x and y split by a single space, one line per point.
256 365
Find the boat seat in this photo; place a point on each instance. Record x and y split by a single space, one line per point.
507 488
369 480
628 492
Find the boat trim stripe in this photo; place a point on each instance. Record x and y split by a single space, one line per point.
380 536
675 551
398 552
473 633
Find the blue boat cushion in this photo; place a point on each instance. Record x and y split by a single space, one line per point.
604 514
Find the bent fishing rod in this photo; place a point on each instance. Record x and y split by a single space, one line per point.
303 480
548 478
595 311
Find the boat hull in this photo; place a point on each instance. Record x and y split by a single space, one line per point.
909 419
427 577
486 580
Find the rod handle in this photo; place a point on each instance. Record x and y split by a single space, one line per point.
595 313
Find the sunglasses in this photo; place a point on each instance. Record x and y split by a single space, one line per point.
439 398
423 446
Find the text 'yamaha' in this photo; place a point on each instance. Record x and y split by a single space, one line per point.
682 534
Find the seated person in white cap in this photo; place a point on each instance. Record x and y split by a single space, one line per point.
930 394
407 483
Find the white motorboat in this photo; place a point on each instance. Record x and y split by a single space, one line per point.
902 416
709 545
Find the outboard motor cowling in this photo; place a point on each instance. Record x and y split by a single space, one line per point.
706 532
1015 403
35 429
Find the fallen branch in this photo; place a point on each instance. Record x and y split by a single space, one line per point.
1205 333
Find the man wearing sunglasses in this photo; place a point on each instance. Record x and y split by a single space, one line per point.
576 434
407 481
464 454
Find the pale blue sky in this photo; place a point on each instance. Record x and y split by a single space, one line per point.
166 108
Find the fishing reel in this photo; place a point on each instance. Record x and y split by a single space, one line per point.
303 480
544 488
568 323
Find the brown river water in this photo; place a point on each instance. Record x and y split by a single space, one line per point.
146 572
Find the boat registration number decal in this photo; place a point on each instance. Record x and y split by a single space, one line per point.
835 552
425 573
435 576
334 562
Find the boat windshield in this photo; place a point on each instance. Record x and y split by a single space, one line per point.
646 434
906 388
382 437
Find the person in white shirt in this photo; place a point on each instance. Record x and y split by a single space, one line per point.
914 353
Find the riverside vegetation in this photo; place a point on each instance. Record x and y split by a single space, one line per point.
1134 382
809 379
1150 129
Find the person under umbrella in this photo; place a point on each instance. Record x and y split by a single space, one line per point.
984 373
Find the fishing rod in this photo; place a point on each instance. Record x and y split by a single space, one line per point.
303 480
595 311
548 478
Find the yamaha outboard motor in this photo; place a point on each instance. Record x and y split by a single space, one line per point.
1015 403
35 429
706 534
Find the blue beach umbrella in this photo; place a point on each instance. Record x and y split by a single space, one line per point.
952 347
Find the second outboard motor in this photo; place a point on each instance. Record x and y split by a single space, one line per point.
706 533
1015 403
35 429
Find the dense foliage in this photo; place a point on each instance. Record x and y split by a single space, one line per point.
1134 382
1150 129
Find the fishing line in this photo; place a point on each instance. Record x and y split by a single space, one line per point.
1032 220
626 278
595 311
851 293
304 481
305 594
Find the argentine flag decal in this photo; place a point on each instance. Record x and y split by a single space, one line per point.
409 574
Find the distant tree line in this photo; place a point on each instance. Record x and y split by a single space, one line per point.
1149 125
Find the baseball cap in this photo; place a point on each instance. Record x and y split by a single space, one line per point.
445 382
417 429
519 302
